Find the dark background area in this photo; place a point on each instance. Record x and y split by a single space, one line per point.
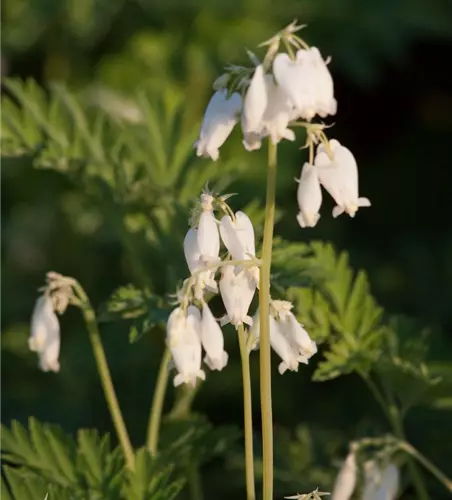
390 63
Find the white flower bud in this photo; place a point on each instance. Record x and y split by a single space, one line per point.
309 197
208 237
219 119
345 483
339 176
212 340
45 334
237 291
380 484
183 339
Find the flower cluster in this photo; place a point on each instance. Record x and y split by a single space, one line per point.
380 482
268 99
192 327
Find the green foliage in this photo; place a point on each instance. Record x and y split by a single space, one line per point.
128 302
43 460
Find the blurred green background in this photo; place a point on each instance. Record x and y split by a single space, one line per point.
390 64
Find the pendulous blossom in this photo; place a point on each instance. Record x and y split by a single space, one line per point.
309 196
212 340
254 106
237 290
219 119
45 334
183 340
339 176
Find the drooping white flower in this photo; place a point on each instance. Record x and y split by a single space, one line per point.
284 348
208 236
254 106
183 339
309 196
339 176
326 104
307 83
380 484
278 113
345 483
45 334
237 290
219 119
238 238
297 336
297 79
205 279
212 340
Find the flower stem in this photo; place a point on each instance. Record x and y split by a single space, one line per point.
105 376
157 404
247 413
431 467
264 311
393 415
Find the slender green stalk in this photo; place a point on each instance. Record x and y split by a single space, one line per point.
247 415
105 376
264 311
393 415
158 399
194 482
431 467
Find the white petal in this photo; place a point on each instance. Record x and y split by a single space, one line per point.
277 114
345 483
390 483
326 104
283 348
297 79
339 176
183 340
192 251
255 103
45 334
237 291
219 119
208 237
309 196
297 335
238 236
212 340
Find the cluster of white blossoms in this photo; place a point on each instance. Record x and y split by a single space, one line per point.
192 328
380 483
268 99
45 327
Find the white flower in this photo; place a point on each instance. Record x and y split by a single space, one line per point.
183 339
340 178
237 291
219 119
283 347
309 196
208 236
238 238
306 82
254 106
326 104
212 340
205 279
45 334
346 479
297 336
380 484
277 114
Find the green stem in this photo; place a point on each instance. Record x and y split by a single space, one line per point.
247 415
431 467
157 404
105 376
194 482
393 415
264 311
